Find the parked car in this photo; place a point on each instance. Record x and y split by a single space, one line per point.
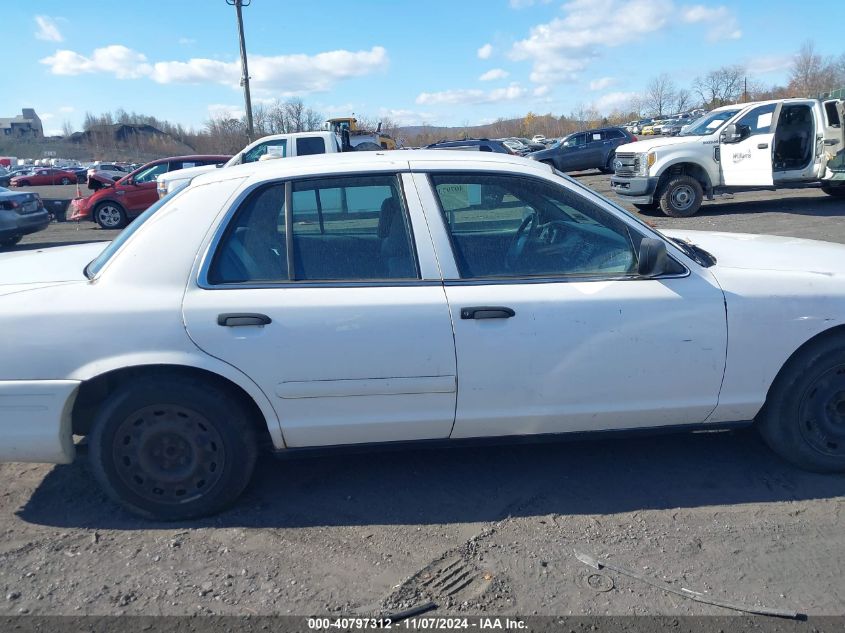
516 146
21 213
538 138
110 170
44 176
674 127
473 145
392 318
532 145
5 177
114 204
593 149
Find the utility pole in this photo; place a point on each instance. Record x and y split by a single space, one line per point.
239 4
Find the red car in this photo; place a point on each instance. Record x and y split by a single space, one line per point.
44 176
114 204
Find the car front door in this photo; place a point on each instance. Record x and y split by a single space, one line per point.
748 162
571 152
141 192
318 292
554 330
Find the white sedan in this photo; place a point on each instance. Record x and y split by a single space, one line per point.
404 297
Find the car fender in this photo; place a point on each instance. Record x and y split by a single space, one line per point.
709 168
177 358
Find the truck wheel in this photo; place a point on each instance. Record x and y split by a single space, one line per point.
110 215
681 197
836 192
803 420
171 448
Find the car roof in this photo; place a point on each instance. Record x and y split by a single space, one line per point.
376 161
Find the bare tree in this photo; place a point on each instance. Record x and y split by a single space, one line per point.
721 86
660 95
683 100
811 74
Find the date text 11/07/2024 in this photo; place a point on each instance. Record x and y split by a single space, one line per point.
418 623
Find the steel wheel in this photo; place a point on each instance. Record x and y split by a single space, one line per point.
109 216
682 197
822 413
168 454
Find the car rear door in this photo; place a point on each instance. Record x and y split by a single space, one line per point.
316 290
568 339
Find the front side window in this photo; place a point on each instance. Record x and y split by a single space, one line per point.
510 226
150 173
757 121
275 149
710 123
352 228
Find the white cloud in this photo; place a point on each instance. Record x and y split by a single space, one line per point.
765 64
614 101
722 22
485 51
186 41
67 109
522 4
562 48
602 83
472 96
496 73
122 62
46 116
48 30
223 111
541 91
281 76
405 117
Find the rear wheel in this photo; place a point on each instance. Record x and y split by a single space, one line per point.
110 215
170 448
680 197
8 242
804 417
65 181
836 192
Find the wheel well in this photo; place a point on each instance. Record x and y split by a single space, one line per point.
834 332
92 393
687 169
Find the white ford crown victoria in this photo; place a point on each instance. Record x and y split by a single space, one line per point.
399 297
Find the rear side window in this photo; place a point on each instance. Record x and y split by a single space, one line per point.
277 149
611 134
351 228
310 145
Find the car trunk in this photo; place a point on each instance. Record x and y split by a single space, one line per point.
27 269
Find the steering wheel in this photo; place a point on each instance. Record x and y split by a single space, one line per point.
525 232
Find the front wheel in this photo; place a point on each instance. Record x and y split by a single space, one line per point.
681 197
171 448
803 420
110 215
608 166
9 242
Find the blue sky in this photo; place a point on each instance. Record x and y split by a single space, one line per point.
440 62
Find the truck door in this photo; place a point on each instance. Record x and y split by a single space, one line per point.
834 140
748 161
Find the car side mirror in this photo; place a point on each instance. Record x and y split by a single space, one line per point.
653 257
730 134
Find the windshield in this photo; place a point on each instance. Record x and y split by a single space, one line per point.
97 264
709 123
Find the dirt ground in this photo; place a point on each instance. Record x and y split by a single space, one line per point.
364 534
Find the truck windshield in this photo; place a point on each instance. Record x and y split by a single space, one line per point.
709 123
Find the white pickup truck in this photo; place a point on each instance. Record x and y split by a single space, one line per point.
786 143
274 146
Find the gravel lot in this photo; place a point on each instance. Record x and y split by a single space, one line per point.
713 512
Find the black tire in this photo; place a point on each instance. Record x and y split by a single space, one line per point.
803 420
170 448
9 242
23 183
110 215
65 181
648 209
680 197
836 192
608 167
